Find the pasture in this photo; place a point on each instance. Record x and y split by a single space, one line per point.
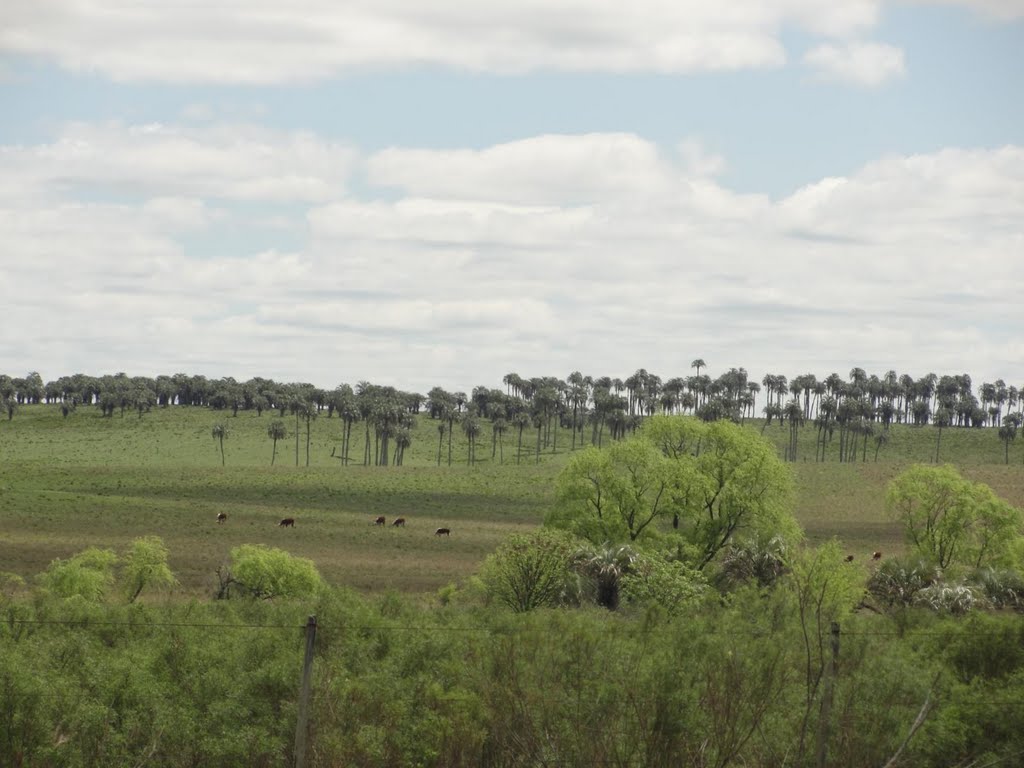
66 484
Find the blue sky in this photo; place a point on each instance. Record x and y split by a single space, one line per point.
342 191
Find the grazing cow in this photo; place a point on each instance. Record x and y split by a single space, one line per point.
380 520
876 555
288 522
399 522
849 558
222 516
443 532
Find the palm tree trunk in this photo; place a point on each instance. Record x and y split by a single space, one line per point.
273 455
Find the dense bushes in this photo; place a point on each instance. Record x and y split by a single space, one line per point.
730 679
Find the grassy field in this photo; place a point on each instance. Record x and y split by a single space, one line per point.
66 484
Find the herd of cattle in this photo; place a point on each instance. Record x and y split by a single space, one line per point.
398 522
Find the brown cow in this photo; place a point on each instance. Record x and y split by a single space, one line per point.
222 516
288 522
399 521
849 558
876 555
380 520
443 532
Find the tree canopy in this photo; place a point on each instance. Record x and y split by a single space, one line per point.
950 520
714 481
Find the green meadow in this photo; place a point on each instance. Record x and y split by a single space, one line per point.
85 480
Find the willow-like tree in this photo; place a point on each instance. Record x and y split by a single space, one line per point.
950 521
735 486
220 432
276 431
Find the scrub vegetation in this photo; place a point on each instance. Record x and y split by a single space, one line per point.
642 581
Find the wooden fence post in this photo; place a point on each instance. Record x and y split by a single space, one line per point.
302 723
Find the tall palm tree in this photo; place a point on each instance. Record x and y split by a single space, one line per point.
1008 433
498 427
521 420
219 432
471 426
442 427
880 439
943 418
276 431
698 364
795 413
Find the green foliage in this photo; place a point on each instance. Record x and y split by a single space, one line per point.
1003 588
531 571
616 493
898 581
88 575
758 562
952 521
655 580
145 567
267 572
717 482
826 587
604 567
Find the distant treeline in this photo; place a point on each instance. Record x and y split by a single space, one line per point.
853 405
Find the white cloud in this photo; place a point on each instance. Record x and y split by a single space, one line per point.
230 161
997 9
866 64
265 41
602 252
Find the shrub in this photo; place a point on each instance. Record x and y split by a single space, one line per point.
266 572
531 571
897 581
88 575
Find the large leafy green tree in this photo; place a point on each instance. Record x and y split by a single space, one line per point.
950 520
713 481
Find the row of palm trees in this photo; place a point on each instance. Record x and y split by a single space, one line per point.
856 409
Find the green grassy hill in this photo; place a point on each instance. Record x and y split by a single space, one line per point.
66 484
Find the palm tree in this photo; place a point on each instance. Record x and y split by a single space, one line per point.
471 426
521 420
1008 433
698 364
607 565
880 439
276 431
498 427
219 432
942 419
442 426
795 413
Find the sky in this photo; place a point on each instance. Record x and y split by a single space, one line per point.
437 194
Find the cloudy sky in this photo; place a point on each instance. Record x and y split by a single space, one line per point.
438 193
